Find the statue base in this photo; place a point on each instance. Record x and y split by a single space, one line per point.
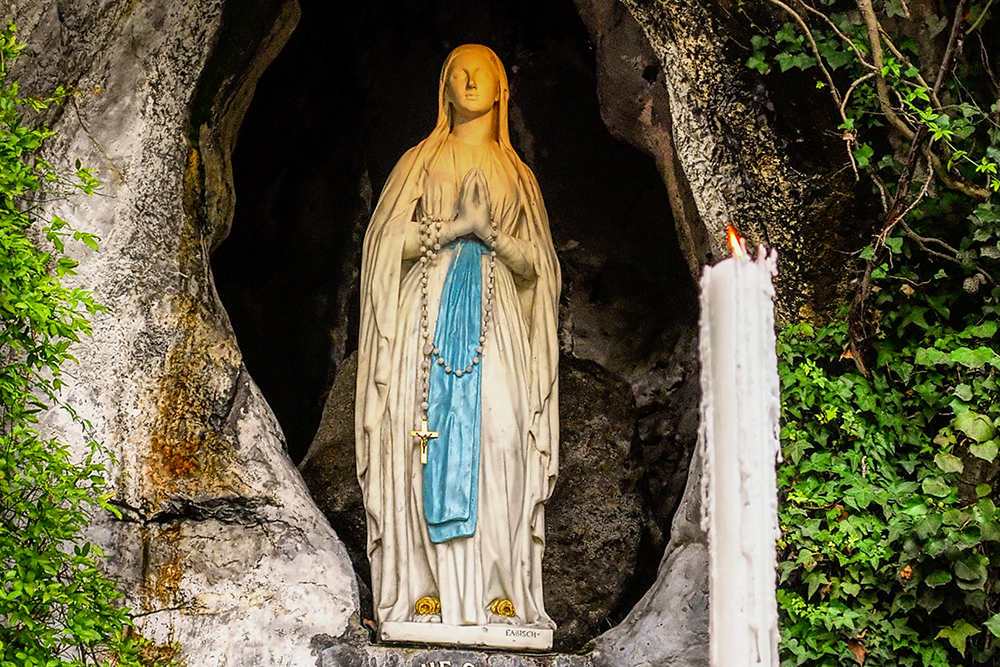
490 636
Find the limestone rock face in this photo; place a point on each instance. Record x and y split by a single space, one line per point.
733 147
220 548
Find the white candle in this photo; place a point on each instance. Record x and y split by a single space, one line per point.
739 437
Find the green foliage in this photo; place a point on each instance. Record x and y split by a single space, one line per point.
891 539
56 607
890 548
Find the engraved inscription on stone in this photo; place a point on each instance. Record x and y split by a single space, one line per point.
521 632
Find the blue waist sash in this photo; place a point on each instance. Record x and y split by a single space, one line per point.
451 476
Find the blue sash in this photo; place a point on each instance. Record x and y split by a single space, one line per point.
451 476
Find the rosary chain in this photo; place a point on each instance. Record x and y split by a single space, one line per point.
430 244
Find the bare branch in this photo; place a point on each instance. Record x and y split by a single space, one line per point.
884 234
922 242
883 192
881 87
855 84
955 40
927 239
955 182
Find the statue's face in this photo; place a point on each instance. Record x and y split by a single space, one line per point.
472 86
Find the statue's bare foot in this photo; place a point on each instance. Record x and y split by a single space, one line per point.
496 619
427 618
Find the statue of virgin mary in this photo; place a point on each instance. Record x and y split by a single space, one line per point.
456 416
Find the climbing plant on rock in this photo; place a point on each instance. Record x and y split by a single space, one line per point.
56 607
890 547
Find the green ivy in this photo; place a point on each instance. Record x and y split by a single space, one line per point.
890 546
890 542
57 609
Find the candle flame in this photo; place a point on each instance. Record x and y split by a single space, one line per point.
735 241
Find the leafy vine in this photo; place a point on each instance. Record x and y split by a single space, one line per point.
890 549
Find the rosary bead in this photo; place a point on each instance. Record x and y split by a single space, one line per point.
475 360
458 373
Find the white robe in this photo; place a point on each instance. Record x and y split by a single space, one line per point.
519 392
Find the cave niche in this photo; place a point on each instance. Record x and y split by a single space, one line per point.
354 88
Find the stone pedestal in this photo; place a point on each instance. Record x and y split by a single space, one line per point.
485 636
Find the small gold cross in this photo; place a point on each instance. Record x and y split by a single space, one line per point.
424 436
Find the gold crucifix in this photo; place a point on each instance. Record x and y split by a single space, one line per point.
424 436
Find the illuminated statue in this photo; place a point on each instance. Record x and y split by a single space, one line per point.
456 422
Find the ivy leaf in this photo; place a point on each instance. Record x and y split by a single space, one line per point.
938 578
788 33
927 526
974 425
916 509
986 450
964 392
863 154
935 486
957 634
929 356
987 213
948 462
971 572
757 62
993 625
976 358
815 579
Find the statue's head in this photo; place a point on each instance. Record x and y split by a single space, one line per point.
473 83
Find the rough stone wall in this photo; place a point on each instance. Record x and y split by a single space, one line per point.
733 147
221 548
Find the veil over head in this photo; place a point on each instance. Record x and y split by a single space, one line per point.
443 125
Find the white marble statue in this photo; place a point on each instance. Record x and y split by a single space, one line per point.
456 419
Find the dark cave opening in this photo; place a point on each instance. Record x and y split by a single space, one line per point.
351 91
